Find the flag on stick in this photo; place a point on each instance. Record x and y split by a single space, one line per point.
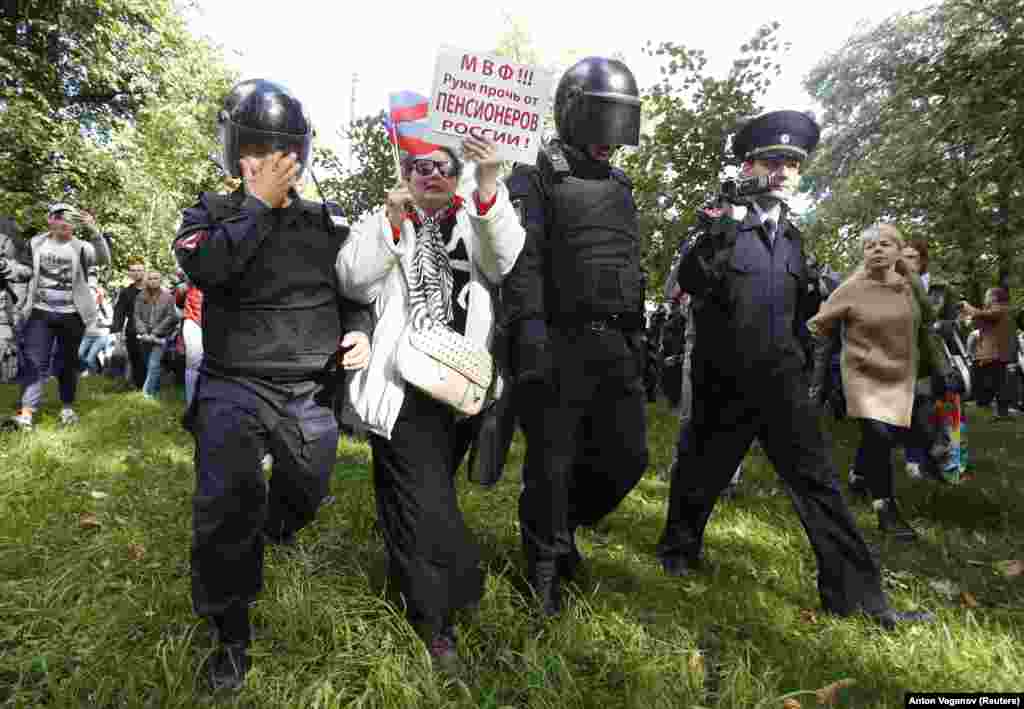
407 124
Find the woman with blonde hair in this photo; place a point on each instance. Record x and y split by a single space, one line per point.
882 320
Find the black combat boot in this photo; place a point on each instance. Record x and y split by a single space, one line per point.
543 577
227 667
891 522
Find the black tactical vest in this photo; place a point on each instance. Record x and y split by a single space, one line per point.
594 245
280 319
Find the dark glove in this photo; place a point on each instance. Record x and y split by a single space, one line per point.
534 361
822 354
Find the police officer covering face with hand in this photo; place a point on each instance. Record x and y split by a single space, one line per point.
745 270
574 303
272 318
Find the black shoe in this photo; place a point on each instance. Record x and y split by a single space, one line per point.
227 667
679 565
545 581
891 522
890 618
858 485
286 541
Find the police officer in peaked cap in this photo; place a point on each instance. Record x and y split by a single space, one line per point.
273 321
574 303
746 273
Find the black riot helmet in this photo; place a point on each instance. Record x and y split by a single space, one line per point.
261 113
597 103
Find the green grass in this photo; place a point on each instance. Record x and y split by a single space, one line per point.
100 617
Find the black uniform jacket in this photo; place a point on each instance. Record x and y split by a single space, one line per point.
271 306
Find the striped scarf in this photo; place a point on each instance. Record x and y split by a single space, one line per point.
431 281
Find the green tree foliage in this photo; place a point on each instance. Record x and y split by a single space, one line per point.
110 105
924 127
364 187
682 154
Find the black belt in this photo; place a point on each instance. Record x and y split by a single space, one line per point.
620 321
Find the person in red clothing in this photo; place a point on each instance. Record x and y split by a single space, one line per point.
190 300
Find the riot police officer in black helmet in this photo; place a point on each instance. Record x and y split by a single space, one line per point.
272 324
574 304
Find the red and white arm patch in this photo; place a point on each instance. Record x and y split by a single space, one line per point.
193 240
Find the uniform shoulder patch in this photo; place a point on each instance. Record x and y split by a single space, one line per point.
192 241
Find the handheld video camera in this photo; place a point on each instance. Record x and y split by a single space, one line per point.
739 190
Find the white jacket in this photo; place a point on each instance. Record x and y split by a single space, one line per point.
368 272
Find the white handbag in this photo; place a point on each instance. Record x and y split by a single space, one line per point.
445 365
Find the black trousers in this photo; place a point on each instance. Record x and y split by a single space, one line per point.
989 384
234 506
433 559
773 407
874 460
137 358
586 436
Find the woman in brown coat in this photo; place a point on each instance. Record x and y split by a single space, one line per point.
881 316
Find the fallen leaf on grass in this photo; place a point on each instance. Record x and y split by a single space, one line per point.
944 587
136 552
807 615
89 521
1011 568
829 694
967 600
97 495
791 704
696 663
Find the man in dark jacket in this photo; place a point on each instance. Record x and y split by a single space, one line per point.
273 320
124 323
747 274
575 303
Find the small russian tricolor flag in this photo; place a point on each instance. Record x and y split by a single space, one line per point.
407 122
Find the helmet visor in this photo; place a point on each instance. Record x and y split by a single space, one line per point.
236 139
607 120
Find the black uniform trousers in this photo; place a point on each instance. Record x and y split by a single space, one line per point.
234 506
433 559
773 407
586 435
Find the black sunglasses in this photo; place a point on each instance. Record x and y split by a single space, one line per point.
425 167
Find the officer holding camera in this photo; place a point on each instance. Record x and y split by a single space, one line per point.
273 320
747 273
575 305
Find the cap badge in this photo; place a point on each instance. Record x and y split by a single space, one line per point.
784 138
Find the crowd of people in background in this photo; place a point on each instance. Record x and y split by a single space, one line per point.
58 320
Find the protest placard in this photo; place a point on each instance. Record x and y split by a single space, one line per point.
489 96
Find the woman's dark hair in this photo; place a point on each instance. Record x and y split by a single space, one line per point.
921 247
408 160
